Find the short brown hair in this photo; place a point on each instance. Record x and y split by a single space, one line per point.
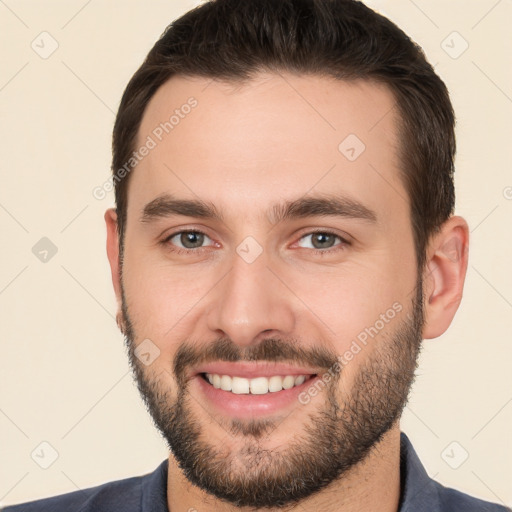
235 39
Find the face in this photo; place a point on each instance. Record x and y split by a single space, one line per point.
271 302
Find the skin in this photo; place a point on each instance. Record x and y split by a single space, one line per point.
246 148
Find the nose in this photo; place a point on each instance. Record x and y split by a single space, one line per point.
251 302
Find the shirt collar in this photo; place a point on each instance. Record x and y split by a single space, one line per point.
154 490
418 490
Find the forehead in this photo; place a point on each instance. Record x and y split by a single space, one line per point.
278 136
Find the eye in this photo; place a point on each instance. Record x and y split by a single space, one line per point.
193 240
323 241
187 240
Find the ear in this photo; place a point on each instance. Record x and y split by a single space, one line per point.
444 275
113 252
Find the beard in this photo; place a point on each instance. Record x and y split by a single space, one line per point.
331 440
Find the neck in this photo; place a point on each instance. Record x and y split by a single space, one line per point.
373 484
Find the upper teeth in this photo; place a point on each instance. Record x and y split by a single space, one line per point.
256 386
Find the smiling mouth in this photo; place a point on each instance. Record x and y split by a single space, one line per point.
256 385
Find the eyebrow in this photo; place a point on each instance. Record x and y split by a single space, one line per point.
167 205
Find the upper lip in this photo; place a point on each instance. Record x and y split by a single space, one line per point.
250 370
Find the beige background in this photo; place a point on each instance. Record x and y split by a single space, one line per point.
64 376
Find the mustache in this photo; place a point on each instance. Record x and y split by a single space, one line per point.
268 350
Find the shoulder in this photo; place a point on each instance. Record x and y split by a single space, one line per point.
453 500
124 495
420 493
117 495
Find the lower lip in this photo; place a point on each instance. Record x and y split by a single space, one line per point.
248 405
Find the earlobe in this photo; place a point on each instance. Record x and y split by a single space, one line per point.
444 275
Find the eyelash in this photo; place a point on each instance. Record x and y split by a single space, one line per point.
320 252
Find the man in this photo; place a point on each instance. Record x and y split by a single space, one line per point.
283 240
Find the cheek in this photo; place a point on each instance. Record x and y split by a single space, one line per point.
360 318
160 297
351 299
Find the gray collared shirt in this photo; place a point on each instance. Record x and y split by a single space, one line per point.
148 493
